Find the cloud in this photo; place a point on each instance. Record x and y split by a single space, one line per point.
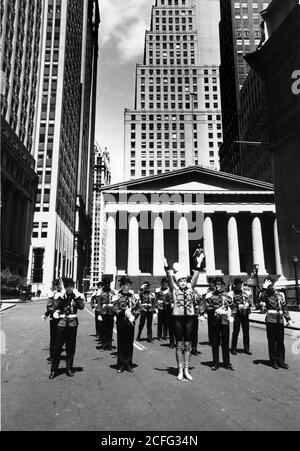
124 22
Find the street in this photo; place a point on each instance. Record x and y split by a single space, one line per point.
254 397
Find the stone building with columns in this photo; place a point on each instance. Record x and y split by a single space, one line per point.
170 214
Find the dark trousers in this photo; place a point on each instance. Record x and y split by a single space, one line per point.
98 326
125 334
275 335
210 320
171 328
107 330
149 317
195 333
53 330
220 334
162 324
65 335
240 320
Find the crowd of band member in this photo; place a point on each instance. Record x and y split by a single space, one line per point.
178 307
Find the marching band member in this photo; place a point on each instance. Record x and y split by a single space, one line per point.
274 303
127 309
210 313
148 308
161 297
96 309
56 288
241 308
220 302
184 301
66 305
104 302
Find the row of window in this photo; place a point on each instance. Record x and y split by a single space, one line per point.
174 117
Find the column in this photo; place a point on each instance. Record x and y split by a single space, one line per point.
158 247
233 247
209 247
277 250
257 245
133 266
110 246
183 245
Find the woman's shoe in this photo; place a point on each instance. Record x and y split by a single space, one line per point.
180 374
187 374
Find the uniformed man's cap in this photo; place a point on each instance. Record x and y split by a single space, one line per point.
125 281
238 281
69 283
219 280
106 279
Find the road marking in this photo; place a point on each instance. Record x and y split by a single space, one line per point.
138 346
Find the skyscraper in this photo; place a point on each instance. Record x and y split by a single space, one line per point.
101 178
63 137
176 120
19 63
240 33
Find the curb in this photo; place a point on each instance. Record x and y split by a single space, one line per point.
7 307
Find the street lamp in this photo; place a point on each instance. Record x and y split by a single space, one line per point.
256 268
295 263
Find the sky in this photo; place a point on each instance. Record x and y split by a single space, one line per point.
122 33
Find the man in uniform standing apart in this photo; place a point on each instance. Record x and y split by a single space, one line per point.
274 303
66 305
241 308
161 295
126 308
148 308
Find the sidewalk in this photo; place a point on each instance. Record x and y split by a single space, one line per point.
259 318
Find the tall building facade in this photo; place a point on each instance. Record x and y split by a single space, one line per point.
256 161
62 140
240 33
84 199
21 23
176 120
277 62
101 178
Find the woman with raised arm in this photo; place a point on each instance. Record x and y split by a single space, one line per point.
184 300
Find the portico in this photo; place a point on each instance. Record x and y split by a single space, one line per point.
231 217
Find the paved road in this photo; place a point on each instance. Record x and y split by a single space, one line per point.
255 397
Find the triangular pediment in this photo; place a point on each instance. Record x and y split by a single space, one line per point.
193 178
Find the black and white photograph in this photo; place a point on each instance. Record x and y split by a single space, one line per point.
150 219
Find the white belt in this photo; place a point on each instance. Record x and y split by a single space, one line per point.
275 311
68 316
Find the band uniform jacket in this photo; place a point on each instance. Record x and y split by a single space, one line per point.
185 300
50 305
94 303
123 301
147 301
242 302
67 306
216 301
104 302
275 306
162 298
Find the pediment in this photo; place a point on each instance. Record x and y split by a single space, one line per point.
193 178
